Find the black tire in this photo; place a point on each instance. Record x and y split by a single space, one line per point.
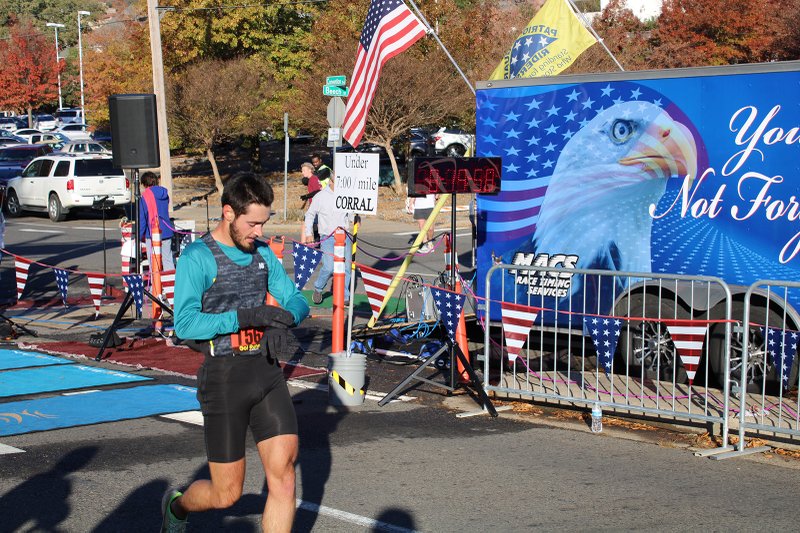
759 362
455 150
12 204
55 210
645 347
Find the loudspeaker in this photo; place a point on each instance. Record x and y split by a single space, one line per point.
134 132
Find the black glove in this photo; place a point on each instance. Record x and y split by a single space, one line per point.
274 343
308 196
264 316
304 181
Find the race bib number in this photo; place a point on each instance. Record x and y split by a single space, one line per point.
246 340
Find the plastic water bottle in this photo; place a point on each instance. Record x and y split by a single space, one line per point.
597 418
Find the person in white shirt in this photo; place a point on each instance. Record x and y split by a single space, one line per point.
329 217
422 208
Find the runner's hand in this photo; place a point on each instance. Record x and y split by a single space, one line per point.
274 343
264 316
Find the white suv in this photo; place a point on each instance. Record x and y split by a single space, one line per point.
57 183
453 143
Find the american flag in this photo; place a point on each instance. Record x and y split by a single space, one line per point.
782 347
306 260
168 286
605 334
96 284
62 281
688 341
376 283
517 323
450 306
136 286
390 28
21 265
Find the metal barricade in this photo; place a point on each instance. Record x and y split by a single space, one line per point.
763 358
632 342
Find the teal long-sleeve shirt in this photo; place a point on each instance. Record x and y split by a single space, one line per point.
197 271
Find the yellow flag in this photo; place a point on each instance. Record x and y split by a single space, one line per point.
551 41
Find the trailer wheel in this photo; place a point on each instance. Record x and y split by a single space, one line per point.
761 369
644 346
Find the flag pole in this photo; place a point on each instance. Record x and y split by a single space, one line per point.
588 25
414 247
441 44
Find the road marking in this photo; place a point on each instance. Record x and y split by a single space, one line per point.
86 227
40 230
324 388
417 231
5 449
190 417
371 523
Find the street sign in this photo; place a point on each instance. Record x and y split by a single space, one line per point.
334 134
356 182
337 81
336 112
334 90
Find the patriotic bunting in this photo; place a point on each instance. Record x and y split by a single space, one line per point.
21 265
168 286
96 284
62 280
604 333
136 286
517 323
450 306
376 283
782 347
688 341
306 260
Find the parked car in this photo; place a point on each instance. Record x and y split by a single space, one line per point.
15 158
373 148
45 122
8 123
420 143
69 116
58 183
25 133
7 138
75 131
55 139
101 136
453 142
83 147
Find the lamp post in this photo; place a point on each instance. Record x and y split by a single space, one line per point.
55 26
80 60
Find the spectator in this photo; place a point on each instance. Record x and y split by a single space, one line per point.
422 208
311 181
154 209
322 170
329 217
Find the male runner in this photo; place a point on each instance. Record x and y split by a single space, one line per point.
220 288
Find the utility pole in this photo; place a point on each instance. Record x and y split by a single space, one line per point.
161 101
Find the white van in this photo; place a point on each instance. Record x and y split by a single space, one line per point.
69 116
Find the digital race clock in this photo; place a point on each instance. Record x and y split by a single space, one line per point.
454 175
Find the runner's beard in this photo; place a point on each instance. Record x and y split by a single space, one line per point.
239 240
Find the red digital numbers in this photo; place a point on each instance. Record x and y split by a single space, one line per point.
454 175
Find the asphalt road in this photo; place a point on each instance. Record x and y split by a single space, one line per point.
407 466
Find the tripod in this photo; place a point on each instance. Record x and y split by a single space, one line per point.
128 300
456 355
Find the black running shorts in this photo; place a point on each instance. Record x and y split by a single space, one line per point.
237 392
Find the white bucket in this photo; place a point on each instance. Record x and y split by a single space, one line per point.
346 378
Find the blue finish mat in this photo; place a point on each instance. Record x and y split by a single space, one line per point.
94 407
59 377
10 359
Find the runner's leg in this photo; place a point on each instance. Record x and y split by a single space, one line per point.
278 455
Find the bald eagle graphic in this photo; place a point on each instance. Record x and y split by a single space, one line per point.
595 209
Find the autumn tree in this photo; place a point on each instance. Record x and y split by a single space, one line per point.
29 77
213 101
116 60
41 11
718 32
